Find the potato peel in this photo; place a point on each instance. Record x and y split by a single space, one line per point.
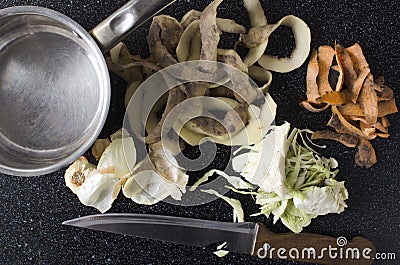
230 57
302 36
257 35
262 75
195 47
158 50
175 96
257 18
185 42
224 24
171 31
255 12
209 36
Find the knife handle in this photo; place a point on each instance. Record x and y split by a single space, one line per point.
299 247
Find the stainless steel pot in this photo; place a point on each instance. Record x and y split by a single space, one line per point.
54 83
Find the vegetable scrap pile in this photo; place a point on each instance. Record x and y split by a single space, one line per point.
286 176
359 103
295 183
196 37
98 186
248 111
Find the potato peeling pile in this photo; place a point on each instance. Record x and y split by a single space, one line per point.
196 37
359 103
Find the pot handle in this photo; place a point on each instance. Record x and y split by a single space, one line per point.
126 19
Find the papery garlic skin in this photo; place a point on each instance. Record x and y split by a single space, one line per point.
147 187
156 177
99 146
99 187
118 158
77 173
99 191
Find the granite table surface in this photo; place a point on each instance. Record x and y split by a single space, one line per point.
32 209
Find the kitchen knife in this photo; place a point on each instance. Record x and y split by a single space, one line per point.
248 238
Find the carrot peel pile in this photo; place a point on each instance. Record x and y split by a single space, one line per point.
359 104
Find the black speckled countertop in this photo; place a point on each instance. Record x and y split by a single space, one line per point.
32 209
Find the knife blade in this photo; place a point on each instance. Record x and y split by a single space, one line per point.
193 232
246 237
